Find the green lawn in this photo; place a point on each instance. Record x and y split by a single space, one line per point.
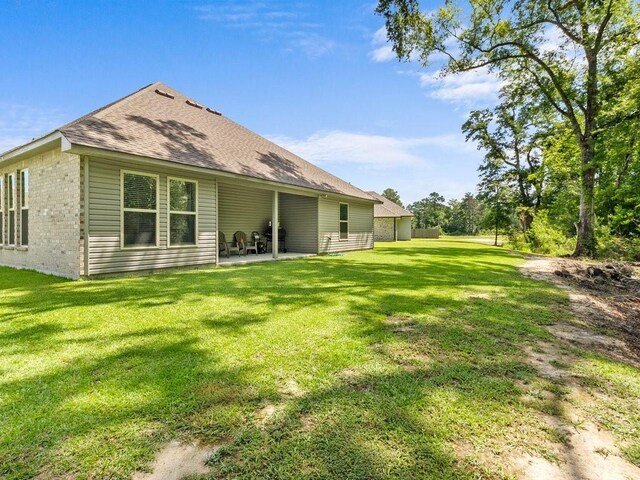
400 362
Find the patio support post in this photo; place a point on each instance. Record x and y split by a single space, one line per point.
274 225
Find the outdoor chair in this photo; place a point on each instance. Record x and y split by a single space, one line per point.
227 247
253 246
241 242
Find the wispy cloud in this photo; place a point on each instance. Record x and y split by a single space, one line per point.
271 22
382 51
373 151
473 88
20 123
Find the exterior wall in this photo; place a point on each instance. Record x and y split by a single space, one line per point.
384 229
299 217
54 215
105 253
243 208
360 226
404 228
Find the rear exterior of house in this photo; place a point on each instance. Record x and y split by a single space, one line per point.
148 182
391 222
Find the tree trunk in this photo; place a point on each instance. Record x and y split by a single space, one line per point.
586 242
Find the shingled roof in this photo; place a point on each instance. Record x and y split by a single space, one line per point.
387 208
161 123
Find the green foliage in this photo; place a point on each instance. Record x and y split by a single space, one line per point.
546 238
615 247
393 195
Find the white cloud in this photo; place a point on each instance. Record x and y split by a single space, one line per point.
383 52
468 88
270 22
374 151
20 123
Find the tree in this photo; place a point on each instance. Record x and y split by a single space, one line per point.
429 212
391 194
465 216
512 39
511 135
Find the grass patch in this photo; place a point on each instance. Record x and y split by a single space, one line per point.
377 364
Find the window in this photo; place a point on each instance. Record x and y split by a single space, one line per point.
11 207
24 207
183 208
344 221
139 221
2 200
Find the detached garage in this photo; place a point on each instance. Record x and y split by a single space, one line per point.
391 222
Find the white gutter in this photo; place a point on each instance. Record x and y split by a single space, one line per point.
35 146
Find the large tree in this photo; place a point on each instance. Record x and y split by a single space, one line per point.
393 195
560 49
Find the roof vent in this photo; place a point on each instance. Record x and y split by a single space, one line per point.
163 93
194 104
215 112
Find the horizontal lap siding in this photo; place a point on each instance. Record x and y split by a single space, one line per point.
105 254
360 226
243 208
299 217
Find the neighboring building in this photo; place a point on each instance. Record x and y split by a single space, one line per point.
391 222
147 182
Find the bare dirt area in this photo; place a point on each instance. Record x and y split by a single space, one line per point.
177 461
605 297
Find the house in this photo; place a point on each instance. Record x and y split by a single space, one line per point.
391 222
148 181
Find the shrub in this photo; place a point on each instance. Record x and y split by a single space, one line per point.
616 247
547 239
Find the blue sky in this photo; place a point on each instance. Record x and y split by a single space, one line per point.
316 77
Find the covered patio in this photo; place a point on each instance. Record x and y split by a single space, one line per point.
249 208
260 257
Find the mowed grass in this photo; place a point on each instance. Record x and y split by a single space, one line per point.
401 362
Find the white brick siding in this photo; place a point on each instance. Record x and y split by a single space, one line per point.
54 215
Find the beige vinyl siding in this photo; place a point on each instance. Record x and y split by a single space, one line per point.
404 228
105 252
299 217
243 208
360 226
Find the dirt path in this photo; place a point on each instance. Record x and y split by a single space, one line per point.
587 452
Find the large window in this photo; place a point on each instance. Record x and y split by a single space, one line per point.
11 207
344 221
139 210
2 208
183 208
24 207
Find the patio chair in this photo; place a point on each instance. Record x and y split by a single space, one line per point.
227 247
252 244
241 242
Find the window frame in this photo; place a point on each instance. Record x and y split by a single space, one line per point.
179 212
139 210
340 222
12 197
23 207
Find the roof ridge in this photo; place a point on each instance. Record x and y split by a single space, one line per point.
107 106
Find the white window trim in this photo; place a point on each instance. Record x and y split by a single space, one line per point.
142 210
22 207
340 222
11 242
169 212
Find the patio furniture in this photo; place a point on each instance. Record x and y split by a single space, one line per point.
282 234
224 246
241 241
253 246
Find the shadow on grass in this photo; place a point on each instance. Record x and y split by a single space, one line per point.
140 381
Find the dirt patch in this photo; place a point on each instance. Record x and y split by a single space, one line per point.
178 460
400 324
604 297
587 452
